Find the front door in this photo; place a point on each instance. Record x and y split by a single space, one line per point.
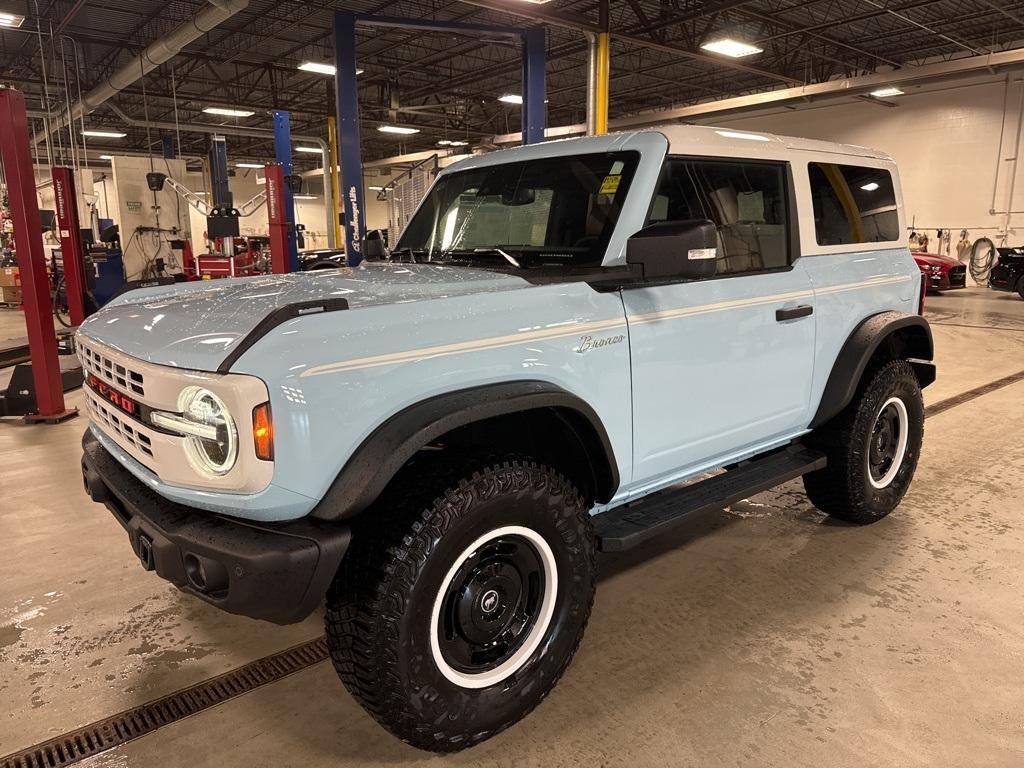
722 366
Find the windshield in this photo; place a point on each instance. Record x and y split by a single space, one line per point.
559 210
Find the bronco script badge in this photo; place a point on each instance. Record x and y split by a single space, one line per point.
588 343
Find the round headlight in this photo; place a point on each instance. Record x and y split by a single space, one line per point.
216 452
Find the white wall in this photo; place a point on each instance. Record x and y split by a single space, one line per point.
167 212
945 139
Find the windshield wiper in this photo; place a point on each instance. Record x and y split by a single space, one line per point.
405 250
453 253
508 257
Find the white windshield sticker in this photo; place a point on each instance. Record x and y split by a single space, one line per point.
696 254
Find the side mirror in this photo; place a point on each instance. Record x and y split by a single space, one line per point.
374 248
686 250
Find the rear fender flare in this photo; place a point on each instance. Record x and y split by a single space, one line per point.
911 332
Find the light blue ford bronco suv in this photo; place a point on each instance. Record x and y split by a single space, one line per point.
572 347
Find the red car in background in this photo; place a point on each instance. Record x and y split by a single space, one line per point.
941 273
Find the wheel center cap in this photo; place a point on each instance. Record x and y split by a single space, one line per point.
489 601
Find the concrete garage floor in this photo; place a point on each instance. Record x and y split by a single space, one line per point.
769 637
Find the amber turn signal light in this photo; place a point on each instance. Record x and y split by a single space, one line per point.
263 432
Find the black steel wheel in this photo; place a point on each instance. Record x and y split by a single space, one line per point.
462 599
872 447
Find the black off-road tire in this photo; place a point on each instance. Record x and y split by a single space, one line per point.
381 606
844 488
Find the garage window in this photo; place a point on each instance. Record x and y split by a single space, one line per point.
746 200
853 204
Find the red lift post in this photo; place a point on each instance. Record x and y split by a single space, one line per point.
72 253
276 219
16 156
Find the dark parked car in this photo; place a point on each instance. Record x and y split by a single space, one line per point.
1008 273
941 273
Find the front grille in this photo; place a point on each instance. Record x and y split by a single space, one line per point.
118 424
111 372
958 275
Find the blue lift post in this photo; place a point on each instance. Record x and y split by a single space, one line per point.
349 141
349 145
534 118
283 155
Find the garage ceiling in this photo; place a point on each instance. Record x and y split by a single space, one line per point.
448 85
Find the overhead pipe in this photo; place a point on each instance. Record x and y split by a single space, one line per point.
163 49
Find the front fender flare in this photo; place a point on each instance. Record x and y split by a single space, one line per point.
386 450
913 334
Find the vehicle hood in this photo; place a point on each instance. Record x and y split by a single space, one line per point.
197 325
935 259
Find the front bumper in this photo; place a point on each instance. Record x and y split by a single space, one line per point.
1002 278
947 280
277 572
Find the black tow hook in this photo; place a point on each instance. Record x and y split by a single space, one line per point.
145 551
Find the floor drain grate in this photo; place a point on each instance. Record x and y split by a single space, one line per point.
952 402
73 746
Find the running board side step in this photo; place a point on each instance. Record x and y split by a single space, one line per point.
631 524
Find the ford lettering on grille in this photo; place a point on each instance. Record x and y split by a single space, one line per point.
111 395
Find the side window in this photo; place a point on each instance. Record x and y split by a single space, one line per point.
853 204
747 201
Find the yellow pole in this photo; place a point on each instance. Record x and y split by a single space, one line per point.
603 76
332 159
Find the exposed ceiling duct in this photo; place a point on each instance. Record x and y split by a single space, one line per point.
157 53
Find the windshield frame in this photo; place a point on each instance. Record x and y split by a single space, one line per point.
652 147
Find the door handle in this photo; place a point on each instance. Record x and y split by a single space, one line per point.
792 313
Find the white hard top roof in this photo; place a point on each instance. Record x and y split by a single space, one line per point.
684 139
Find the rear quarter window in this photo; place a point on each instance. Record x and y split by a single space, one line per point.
853 204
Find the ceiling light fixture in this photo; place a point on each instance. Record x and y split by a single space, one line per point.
322 69
12 20
305 197
249 165
104 134
106 157
225 112
511 98
884 93
401 129
871 186
734 49
310 150
376 189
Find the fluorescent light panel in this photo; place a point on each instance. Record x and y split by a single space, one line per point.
734 49
305 197
511 98
225 112
451 143
310 150
106 157
322 69
400 129
104 134
249 165
884 93
12 20
871 186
